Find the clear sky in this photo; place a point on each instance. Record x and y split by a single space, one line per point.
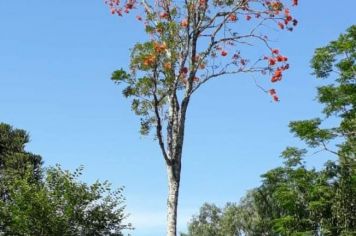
56 58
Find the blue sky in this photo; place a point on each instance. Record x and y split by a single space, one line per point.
56 58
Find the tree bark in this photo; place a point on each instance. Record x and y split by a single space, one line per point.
173 172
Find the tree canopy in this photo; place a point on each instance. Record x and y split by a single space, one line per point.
42 201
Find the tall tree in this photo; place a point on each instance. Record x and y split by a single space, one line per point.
339 100
190 43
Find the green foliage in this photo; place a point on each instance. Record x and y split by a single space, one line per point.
207 221
213 221
119 76
152 74
338 56
54 202
293 156
310 132
322 62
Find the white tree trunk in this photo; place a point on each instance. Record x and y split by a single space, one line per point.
175 139
173 173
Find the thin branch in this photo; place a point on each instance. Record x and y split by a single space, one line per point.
224 72
327 149
159 125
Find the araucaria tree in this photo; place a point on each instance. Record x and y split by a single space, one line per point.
189 43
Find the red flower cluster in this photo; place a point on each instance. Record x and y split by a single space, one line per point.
277 75
159 47
272 61
275 6
183 74
184 23
163 15
235 56
221 50
233 17
275 51
149 60
287 20
223 53
184 70
273 93
281 25
202 3
115 6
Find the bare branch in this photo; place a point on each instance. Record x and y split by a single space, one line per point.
159 124
328 150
